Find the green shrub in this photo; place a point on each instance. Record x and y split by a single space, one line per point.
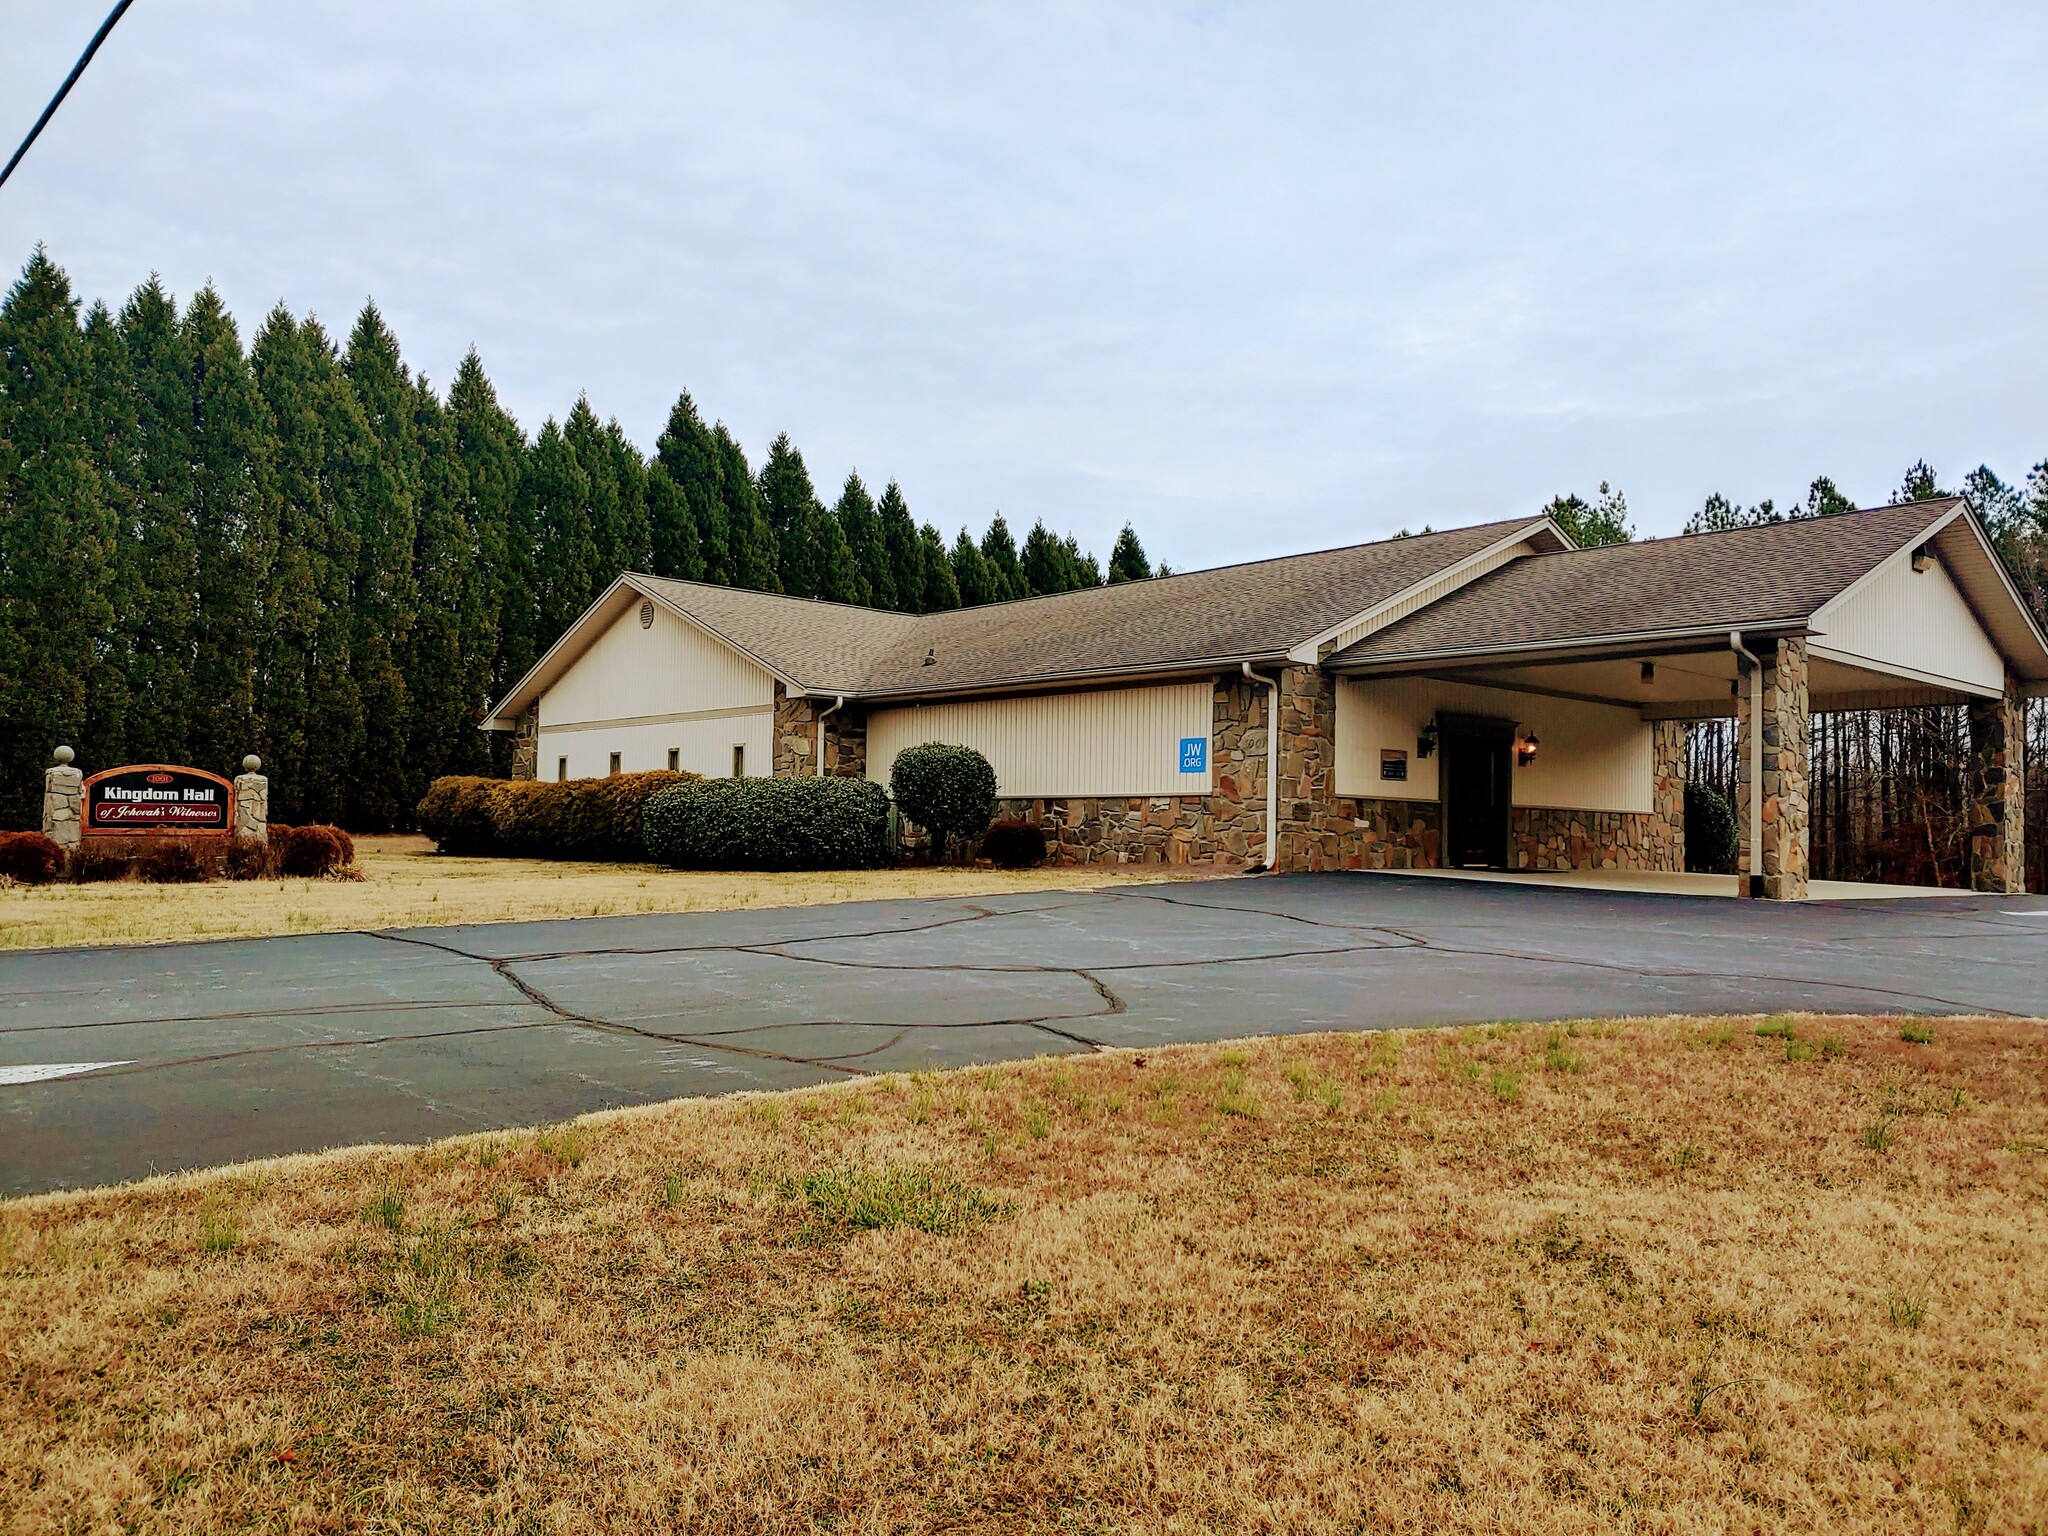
526 818
1013 844
769 824
1710 831
949 791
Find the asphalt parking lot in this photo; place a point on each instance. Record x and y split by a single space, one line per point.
119 1062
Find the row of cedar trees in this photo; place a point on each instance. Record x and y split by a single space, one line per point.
304 551
1888 795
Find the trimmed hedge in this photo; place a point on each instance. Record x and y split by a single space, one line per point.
949 791
528 818
770 824
1014 844
311 853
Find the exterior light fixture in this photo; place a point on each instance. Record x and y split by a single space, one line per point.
1525 750
1425 744
1923 558
1649 671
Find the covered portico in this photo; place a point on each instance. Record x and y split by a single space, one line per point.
1897 607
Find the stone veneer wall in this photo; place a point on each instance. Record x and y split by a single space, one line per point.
1998 800
526 743
796 737
1787 759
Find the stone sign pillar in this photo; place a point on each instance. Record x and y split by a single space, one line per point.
1787 756
1998 854
526 743
252 802
63 801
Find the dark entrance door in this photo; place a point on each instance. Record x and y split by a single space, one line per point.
1476 791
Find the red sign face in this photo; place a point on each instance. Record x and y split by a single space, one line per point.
151 799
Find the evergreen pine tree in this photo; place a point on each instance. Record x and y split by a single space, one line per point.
1920 484
629 473
445 698
1823 499
56 537
972 578
336 729
791 504
609 538
941 590
1006 574
502 645
689 536
565 555
862 526
110 434
750 539
386 597
837 576
235 518
1043 562
1127 560
905 549
1087 570
157 558
1604 522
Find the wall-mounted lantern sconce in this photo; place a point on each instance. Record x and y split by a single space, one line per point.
1649 671
1525 750
1425 744
1923 558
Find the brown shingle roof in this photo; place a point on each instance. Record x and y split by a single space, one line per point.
1781 573
1231 613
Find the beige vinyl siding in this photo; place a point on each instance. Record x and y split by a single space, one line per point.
1917 622
1590 757
1441 587
1118 741
703 745
670 668
641 691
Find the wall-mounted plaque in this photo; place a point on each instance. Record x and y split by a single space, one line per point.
1393 763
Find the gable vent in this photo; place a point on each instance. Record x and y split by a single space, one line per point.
647 615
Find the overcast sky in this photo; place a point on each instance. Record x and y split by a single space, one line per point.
1258 278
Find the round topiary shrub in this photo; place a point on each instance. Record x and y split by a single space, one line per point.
769 824
949 791
1710 831
1013 844
312 853
30 858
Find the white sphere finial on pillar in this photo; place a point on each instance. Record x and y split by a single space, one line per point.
251 763
64 754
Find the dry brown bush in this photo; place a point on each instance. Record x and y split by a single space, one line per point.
1661 1276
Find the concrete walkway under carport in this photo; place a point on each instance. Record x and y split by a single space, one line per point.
1675 883
118 1062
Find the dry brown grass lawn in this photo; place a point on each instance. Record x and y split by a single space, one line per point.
1664 1276
407 885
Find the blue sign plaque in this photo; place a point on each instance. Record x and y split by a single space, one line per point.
1194 754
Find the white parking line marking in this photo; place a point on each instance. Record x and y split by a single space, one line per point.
41 1073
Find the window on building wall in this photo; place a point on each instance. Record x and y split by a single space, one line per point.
614 766
562 770
675 759
739 760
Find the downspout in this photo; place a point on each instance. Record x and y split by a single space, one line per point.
1272 762
837 704
1753 877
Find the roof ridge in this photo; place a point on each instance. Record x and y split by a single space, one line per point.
1783 522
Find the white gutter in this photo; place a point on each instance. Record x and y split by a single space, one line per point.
1272 762
837 704
1753 881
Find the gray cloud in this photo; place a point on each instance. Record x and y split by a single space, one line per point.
1258 277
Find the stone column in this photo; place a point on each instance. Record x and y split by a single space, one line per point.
63 801
1665 841
1998 800
1787 757
252 802
526 743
